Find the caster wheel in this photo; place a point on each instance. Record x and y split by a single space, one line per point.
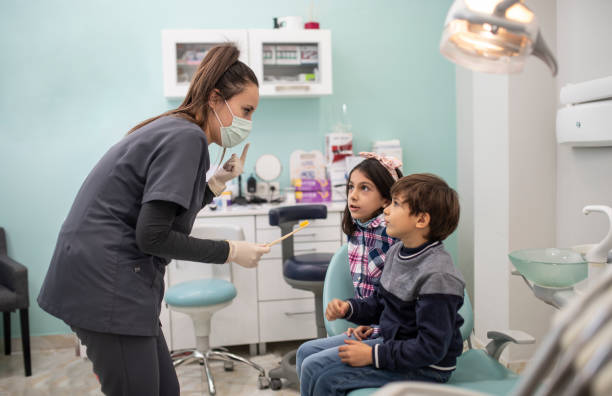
275 383
263 382
228 366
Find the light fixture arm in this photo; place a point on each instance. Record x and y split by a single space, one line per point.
500 9
541 50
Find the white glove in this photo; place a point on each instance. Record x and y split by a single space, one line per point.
231 169
246 254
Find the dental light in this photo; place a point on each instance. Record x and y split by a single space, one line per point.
494 36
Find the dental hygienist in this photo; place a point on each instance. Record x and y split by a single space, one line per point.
134 213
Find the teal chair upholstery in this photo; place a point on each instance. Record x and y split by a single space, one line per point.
477 369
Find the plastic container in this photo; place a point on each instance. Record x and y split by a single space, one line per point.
550 267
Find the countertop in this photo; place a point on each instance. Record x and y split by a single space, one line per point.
259 209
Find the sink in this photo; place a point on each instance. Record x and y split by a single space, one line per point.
550 267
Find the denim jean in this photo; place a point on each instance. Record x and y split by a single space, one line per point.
322 373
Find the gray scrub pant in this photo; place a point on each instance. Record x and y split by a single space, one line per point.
130 365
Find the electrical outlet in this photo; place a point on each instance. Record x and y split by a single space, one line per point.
262 189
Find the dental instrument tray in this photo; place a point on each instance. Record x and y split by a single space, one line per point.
550 267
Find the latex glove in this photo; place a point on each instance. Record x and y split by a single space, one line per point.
336 309
246 254
231 169
360 332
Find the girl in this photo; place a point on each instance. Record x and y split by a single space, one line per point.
134 213
368 192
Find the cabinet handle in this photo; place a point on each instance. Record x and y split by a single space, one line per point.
306 250
302 235
292 88
299 313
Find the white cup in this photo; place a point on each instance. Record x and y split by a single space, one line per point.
290 22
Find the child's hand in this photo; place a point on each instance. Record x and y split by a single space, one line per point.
360 332
356 354
336 309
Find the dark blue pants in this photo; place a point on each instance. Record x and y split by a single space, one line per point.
130 365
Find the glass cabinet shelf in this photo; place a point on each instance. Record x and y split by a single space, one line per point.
291 62
184 49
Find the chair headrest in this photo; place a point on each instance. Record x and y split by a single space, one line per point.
284 214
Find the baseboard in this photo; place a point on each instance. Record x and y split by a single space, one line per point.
38 343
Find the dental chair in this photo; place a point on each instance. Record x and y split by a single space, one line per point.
575 358
304 272
477 370
200 299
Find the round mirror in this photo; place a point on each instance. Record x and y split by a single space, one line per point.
268 167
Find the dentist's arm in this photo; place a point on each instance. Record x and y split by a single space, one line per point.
154 236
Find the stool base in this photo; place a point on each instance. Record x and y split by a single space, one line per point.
184 356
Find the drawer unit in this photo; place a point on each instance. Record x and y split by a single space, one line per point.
308 234
287 320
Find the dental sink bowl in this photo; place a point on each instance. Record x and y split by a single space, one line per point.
550 267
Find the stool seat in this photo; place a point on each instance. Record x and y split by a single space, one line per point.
309 267
200 293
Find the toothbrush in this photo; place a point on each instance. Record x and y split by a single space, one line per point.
303 225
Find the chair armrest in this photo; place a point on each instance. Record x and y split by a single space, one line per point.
14 276
501 338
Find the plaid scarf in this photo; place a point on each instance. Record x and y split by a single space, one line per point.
367 248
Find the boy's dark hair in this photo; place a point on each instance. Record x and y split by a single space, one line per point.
427 193
382 179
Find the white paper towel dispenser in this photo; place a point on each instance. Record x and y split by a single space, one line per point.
586 116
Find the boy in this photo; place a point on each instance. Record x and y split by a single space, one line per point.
416 303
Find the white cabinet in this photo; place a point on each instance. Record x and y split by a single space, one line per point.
183 50
266 308
288 63
291 62
233 325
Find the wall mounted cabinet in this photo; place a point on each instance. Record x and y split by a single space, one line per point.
288 63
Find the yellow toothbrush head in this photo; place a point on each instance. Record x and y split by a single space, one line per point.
304 223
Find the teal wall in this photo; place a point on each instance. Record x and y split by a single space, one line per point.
76 75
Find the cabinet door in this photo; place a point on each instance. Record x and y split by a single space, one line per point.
183 50
228 325
291 62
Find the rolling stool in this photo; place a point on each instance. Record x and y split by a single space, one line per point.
200 299
304 272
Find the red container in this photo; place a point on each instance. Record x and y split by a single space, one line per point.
311 25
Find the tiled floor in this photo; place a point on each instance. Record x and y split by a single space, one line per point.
59 372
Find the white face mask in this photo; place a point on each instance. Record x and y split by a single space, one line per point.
236 133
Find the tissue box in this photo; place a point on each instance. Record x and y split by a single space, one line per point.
311 184
312 196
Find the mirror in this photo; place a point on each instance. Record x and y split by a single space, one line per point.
268 167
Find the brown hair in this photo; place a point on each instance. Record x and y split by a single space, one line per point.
220 69
382 179
427 193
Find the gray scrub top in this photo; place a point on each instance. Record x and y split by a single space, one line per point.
98 278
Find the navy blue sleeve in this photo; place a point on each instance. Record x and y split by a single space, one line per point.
365 311
154 236
436 315
173 168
